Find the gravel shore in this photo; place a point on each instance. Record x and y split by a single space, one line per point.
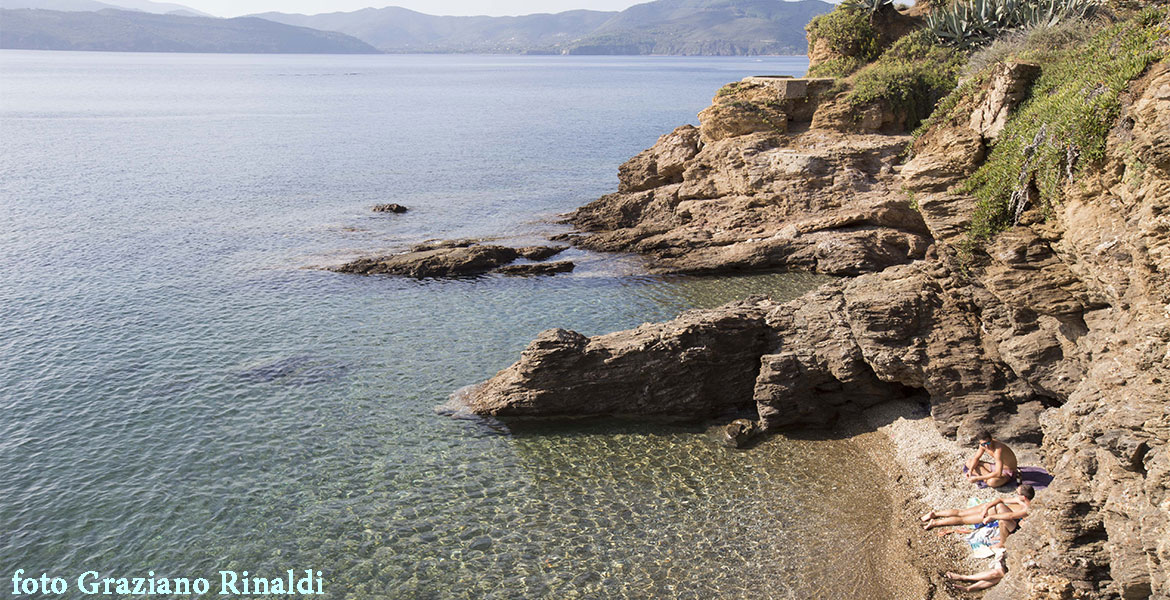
924 471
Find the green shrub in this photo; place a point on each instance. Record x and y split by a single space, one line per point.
836 67
848 33
729 89
911 76
1038 42
1064 126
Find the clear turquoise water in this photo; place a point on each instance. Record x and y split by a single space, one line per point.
182 391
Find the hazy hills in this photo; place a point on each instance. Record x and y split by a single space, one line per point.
710 27
396 29
94 5
679 27
121 30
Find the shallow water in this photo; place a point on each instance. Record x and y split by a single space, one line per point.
181 391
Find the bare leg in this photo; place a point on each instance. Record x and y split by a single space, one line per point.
982 585
1003 526
951 512
998 481
955 512
948 521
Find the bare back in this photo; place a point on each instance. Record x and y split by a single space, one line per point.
1002 453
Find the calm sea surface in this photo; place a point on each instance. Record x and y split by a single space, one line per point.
182 390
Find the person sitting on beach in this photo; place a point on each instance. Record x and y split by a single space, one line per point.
1008 512
984 579
1002 470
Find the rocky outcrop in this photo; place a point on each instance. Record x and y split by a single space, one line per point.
457 258
390 208
1056 333
436 262
662 164
1010 84
743 191
540 252
811 202
703 363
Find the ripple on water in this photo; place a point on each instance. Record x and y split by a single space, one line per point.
180 396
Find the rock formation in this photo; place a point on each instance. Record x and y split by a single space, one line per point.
703 363
456 258
755 188
1056 333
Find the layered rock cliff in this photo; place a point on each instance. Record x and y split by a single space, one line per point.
1054 331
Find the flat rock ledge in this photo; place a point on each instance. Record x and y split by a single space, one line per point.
457 258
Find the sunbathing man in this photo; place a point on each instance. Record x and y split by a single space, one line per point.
1008 512
1003 468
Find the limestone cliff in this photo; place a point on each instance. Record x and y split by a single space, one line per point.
1054 331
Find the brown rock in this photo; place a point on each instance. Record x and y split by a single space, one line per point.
740 432
733 119
437 262
540 252
661 164
816 201
390 208
1009 86
701 364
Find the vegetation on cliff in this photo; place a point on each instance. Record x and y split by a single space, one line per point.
1064 126
911 77
848 35
972 23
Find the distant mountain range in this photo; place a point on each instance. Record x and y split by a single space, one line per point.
677 27
131 31
681 27
161 8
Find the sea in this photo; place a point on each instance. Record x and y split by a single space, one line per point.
186 390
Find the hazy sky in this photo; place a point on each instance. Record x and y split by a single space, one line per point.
235 8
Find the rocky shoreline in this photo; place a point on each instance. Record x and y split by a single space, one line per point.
1055 333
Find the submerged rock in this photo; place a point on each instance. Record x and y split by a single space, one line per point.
390 208
540 268
739 432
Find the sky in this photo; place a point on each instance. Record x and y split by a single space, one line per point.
235 8
495 8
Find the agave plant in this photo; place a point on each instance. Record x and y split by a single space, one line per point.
870 6
975 22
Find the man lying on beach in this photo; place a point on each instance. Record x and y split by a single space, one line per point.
1003 468
1007 511
984 579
